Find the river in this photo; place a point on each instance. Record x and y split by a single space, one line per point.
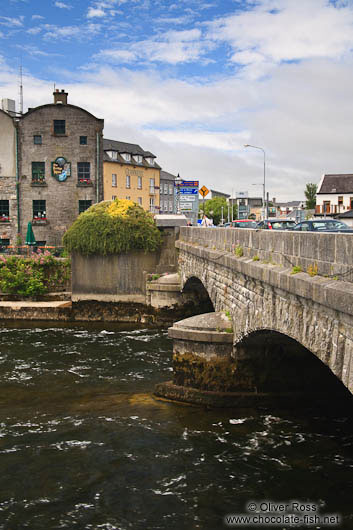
84 445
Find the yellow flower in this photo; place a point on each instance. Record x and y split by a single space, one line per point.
119 207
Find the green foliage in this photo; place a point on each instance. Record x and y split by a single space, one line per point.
215 206
30 277
239 251
228 315
256 258
296 269
310 194
312 270
97 231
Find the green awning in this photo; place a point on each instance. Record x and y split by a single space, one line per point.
30 239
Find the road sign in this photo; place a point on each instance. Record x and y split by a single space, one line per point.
204 191
187 183
188 191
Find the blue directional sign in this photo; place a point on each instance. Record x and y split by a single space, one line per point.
188 191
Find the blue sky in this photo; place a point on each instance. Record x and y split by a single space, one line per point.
193 81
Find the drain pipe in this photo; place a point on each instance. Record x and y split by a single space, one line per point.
17 183
97 169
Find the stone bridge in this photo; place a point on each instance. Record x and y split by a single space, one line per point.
290 290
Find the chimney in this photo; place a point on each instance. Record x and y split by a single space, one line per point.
60 97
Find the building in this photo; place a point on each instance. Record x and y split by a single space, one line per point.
247 207
8 179
60 167
167 193
293 210
334 194
131 173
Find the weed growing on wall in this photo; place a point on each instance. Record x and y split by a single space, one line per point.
33 276
113 227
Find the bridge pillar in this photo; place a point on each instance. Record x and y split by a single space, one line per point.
204 368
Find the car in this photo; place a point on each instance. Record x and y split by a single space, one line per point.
323 225
243 223
276 224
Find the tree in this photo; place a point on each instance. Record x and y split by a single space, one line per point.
213 209
310 194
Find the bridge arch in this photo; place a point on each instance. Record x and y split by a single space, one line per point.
271 361
195 287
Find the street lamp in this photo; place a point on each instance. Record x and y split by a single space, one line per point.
264 184
177 183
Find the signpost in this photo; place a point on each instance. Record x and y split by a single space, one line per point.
204 191
187 192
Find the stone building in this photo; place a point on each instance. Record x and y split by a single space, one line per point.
131 173
167 193
60 167
8 181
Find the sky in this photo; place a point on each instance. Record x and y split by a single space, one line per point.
193 81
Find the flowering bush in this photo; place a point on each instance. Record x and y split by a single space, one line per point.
29 277
113 227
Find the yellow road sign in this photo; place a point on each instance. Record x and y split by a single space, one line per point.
204 191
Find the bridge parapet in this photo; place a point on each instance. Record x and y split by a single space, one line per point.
325 254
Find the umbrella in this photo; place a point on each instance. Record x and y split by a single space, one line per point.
30 239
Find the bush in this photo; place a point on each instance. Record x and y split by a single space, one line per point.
113 227
30 277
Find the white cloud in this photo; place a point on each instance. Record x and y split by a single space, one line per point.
283 30
37 17
11 22
96 13
171 47
61 5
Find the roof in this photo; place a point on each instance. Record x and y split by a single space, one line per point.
289 204
167 176
341 183
56 106
125 147
219 194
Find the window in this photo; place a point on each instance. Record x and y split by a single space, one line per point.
126 156
59 127
112 154
128 181
4 211
151 204
39 209
37 139
114 180
84 171
83 140
150 161
151 186
38 171
138 158
84 205
170 189
139 183
170 206
139 200
165 187
327 205
113 197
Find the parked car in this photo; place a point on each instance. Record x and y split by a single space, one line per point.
323 225
244 223
276 224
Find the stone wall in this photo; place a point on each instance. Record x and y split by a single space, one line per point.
329 254
315 311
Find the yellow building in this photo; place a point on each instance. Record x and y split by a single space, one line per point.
131 173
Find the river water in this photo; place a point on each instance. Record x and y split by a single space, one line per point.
84 445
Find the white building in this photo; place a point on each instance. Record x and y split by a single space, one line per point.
334 194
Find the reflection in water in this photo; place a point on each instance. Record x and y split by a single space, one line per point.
83 444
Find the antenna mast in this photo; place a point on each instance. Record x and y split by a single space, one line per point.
21 89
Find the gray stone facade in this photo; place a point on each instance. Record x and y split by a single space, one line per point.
60 187
8 196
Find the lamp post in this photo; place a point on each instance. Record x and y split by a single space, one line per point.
264 209
177 183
